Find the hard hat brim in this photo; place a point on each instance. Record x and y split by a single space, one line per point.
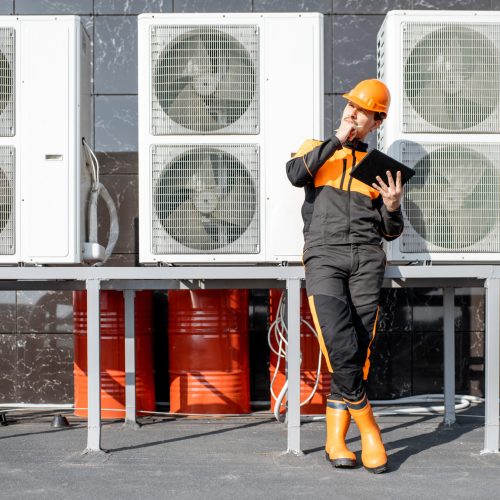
377 108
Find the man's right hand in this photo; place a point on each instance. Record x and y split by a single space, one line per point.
346 131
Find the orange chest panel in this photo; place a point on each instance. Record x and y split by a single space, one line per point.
332 174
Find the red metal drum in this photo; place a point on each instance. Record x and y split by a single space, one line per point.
113 353
208 351
309 347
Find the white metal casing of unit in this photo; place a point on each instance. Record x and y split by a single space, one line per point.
46 62
286 109
452 204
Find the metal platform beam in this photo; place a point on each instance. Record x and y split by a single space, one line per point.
163 278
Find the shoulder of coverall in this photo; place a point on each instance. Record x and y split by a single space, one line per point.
347 148
308 145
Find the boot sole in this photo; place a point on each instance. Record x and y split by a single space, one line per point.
377 470
341 463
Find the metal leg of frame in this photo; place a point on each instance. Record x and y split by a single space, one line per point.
449 357
492 371
293 365
93 365
130 393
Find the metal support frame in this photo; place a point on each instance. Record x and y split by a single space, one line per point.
293 365
142 278
491 368
130 394
93 365
449 356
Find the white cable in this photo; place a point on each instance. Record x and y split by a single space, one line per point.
97 190
114 228
92 165
462 402
278 327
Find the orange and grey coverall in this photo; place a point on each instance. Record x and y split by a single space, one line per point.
344 221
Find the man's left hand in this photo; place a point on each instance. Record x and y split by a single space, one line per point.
392 193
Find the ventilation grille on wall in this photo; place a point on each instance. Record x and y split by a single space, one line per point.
205 79
7 201
451 77
452 204
205 199
7 81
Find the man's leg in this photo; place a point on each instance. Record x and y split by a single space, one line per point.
364 290
326 277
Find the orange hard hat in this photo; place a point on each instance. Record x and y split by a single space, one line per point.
372 95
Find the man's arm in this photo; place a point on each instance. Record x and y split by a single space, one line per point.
311 156
392 222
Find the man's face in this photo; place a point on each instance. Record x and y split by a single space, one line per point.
364 119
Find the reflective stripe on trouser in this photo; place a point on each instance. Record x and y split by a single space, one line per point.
343 285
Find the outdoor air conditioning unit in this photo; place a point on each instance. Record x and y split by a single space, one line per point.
443 71
224 101
45 111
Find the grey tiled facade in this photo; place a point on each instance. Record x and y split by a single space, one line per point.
36 327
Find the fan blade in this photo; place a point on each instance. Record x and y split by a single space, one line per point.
234 81
237 207
198 58
204 178
233 96
189 107
221 232
185 226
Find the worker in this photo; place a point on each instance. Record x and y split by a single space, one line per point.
344 221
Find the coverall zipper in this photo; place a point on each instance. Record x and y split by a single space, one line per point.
349 197
344 170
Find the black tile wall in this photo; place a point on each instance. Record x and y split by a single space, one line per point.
395 313
390 373
469 309
454 4
324 6
124 190
428 309
44 368
103 7
212 6
44 312
354 49
7 311
36 368
115 123
8 367
115 55
81 7
369 6
7 7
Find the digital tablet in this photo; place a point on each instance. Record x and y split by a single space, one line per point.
377 163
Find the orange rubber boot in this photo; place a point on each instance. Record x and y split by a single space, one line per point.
373 453
337 424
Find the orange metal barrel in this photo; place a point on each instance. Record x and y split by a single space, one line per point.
208 351
310 351
113 353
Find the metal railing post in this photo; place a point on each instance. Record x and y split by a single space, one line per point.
293 365
130 390
491 365
93 365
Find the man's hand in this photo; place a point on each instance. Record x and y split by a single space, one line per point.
347 130
392 193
